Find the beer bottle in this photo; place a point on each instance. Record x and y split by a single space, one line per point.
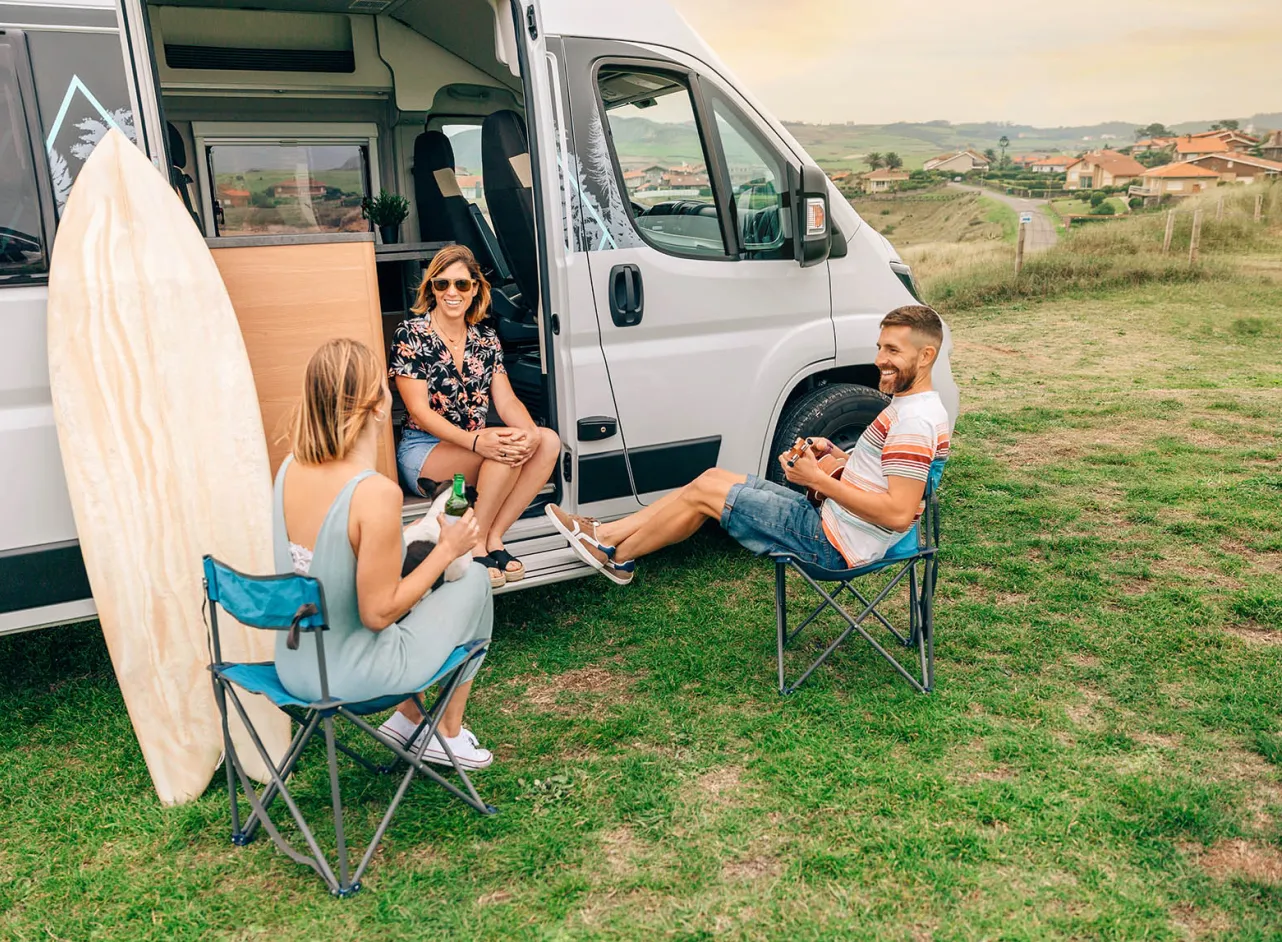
456 503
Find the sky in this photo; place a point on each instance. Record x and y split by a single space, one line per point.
1046 65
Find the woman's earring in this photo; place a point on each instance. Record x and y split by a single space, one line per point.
380 416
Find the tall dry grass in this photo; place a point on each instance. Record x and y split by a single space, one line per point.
1113 254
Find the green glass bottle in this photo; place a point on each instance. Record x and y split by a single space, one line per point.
456 503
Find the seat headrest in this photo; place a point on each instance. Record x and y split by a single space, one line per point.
505 151
432 152
177 149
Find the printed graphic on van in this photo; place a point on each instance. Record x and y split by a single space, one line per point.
81 93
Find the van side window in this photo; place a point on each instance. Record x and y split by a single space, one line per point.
659 153
81 93
757 182
22 237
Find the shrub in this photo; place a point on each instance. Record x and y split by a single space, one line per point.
1097 198
1135 202
1102 209
885 212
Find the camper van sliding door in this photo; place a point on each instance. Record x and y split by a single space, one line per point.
704 314
140 59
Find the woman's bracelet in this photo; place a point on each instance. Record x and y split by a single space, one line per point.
475 439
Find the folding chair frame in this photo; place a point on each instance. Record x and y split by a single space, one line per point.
317 715
921 570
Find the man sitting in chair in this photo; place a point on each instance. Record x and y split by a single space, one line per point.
865 510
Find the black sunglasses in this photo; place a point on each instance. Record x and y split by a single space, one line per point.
461 285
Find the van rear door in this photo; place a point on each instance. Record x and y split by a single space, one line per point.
704 313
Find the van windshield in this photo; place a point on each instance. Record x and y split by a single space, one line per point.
281 189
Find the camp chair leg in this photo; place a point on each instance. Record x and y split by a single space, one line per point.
855 624
220 698
306 728
317 861
337 797
781 612
300 717
914 619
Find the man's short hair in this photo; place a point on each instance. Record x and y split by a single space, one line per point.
927 328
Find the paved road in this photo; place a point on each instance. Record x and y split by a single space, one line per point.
1041 231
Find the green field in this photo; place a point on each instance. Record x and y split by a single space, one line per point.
1102 757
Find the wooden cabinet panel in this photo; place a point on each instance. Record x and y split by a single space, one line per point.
290 299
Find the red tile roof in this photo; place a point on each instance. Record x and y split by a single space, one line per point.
1119 165
1180 170
1200 145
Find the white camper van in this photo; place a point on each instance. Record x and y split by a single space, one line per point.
677 285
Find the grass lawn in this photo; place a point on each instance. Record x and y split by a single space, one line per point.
1099 761
1003 215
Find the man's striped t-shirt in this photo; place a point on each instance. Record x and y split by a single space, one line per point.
909 434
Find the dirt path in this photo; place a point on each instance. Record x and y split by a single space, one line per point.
1041 231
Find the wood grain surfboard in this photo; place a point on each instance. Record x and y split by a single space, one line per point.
162 442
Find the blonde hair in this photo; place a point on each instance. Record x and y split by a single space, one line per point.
342 388
426 299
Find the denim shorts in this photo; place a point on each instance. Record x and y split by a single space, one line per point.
413 450
769 518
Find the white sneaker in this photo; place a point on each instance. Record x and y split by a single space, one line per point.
398 729
466 750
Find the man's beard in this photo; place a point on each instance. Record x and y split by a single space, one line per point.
901 382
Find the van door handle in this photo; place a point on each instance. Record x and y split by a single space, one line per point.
627 295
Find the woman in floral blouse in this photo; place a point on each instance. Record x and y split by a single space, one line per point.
448 366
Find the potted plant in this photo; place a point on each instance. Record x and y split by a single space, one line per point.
386 211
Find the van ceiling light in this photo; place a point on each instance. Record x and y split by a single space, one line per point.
369 6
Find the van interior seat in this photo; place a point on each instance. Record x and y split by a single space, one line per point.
443 214
506 174
179 178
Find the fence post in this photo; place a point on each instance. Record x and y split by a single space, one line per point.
1197 235
1019 248
1219 208
1259 205
1170 231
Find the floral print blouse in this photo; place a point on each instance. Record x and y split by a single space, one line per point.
463 399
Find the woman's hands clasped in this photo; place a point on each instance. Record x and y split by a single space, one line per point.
511 446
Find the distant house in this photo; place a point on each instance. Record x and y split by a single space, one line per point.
962 161
1056 163
1151 144
310 189
681 181
1026 160
1186 148
1272 147
1101 168
883 180
1236 140
1238 168
633 179
839 176
470 186
229 196
1176 179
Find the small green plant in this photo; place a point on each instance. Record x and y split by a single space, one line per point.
1103 209
386 209
1098 197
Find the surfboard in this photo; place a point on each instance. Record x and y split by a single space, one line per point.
165 458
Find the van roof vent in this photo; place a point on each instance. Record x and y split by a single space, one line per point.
369 6
220 58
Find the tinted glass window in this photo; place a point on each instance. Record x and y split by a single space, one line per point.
279 189
660 156
81 92
22 249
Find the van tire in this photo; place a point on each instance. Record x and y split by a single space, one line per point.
838 411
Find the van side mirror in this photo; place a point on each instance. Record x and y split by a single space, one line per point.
810 214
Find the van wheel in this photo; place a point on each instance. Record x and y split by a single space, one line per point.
839 412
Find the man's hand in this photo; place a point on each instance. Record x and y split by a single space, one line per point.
804 471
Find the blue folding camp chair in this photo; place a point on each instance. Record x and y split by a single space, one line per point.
915 554
297 603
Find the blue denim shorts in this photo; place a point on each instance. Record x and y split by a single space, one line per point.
769 518
413 450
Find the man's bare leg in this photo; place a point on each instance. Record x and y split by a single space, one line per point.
677 516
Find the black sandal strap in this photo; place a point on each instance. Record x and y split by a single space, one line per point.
505 559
